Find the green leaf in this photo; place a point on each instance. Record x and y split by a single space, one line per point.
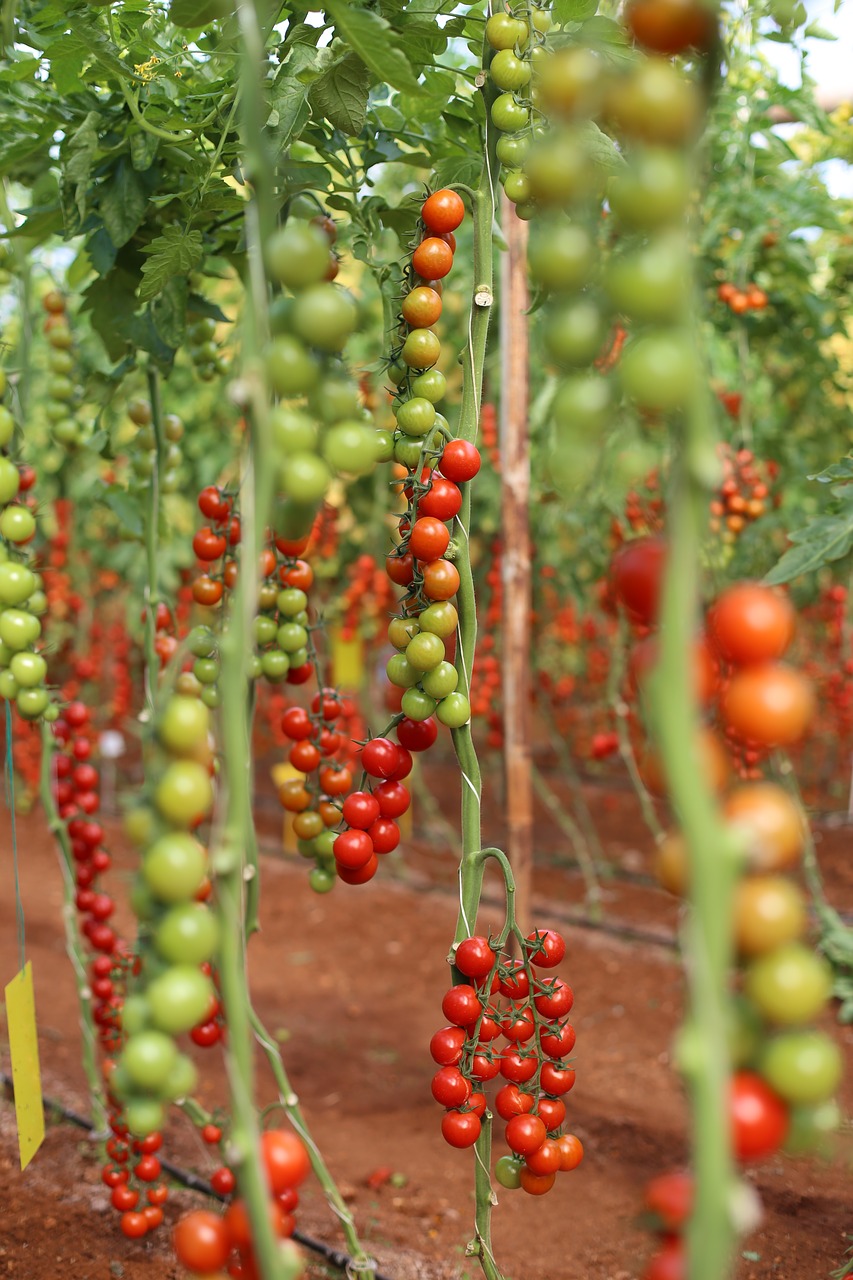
78 49
565 11
375 42
825 539
340 94
608 37
288 100
78 156
842 470
169 311
123 202
143 148
125 507
174 253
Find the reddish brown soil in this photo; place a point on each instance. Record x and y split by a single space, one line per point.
352 985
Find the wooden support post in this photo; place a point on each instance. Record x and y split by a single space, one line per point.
517 594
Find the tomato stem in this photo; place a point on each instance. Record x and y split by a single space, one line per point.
152 542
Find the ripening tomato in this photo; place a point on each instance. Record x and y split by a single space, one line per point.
546 947
525 1134
433 259
536 1184
751 623
637 572
285 1159
571 1152
443 211
711 755
771 823
769 911
442 500
511 1101
670 27
429 538
643 660
474 957
770 705
441 580
670 1262
446 1046
450 1088
421 307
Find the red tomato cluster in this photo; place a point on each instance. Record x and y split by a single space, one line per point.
744 493
324 752
207 1243
509 1018
131 1173
215 542
741 300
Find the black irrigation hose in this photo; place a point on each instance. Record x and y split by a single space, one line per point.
341 1261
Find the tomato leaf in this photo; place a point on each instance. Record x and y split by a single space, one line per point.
375 42
123 202
339 94
125 508
573 10
174 253
823 540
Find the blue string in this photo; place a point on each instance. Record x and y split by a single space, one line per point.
10 801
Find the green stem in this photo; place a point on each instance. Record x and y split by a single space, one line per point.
73 941
626 749
152 540
290 1104
471 865
229 859
572 831
708 942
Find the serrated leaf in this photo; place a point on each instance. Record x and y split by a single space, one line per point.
78 157
123 201
196 13
80 48
126 509
169 312
375 42
608 37
824 540
288 101
174 253
339 94
143 149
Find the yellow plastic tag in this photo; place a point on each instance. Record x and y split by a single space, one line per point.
24 1051
347 660
280 774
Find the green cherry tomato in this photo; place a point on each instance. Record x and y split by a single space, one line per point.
425 651
441 681
334 400
304 476
202 642
401 631
184 725
509 72
804 1067
430 386
659 370
583 404
651 284
290 637
184 793
508 115
179 998
293 431
441 619
351 448
7 426
653 193
143 1115
322 880
401 673
454 710
575 333
135 1014
417 705
31 703
182 1081
206 670
789 985
291 601
275 665
416 417
211 696
517 188
264 629
18 628
298 255
504 32
508 1172
324 316
383 446
407 452
291 368
29 669
8 686
149 1059
562 257
812 1130
512 150
421 349
187 934
17 524
10 480
174 867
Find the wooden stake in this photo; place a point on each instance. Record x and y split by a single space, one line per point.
517 594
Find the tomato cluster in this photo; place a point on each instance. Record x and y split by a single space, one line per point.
144 458
207 1243
514 1002
62 390
318 428
749 298
320 796
201 347
23 670
172 991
